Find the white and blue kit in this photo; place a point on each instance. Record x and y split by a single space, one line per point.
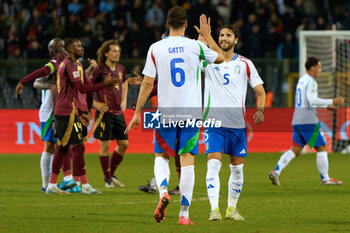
224 100
179 89
306 127
46 114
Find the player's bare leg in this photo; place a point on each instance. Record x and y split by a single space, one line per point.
213 184
186 187
322 166
162 174
284 160
235 185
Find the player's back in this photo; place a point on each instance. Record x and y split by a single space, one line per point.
177 61
304 112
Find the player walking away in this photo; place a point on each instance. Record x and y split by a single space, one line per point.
225 95
110 124
57 54
306 126
68 125
175 60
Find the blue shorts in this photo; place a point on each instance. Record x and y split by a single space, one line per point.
176 140
308 134
47 132
226 140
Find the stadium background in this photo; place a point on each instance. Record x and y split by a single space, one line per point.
269 36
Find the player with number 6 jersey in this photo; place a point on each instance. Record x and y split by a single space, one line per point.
175 60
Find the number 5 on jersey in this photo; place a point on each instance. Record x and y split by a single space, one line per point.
226 79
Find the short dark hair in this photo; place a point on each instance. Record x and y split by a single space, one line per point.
310 62
232 28
176 17
68 43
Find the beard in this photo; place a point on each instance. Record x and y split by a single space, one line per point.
227 48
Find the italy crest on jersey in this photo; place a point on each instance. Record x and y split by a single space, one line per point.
237 69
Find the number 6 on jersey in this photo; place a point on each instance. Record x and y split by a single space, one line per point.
174 70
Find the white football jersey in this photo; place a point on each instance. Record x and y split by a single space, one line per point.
306 101
47 105
176 63
226 90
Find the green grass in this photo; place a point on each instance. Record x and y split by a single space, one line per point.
300 204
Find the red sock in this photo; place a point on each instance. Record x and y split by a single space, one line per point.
53 178
115 161
79 160
57 163
83 179
76 178
104 160
67 162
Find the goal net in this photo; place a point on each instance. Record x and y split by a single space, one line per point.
333 50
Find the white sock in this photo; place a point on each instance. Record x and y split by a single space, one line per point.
186 189
84 186
235 184
51 185
153 182
284 161
78 183
213 182
162 174
322 164
68 178
45 166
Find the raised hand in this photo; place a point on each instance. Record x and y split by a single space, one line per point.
204 26
93 63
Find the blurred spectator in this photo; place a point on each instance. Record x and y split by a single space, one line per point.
253 43
73 26
271 41
139 23
74 7
287 49
106 6
16 67
155 16
59 8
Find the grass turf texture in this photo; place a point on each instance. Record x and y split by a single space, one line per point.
300 204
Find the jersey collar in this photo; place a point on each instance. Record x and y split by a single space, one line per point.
234 57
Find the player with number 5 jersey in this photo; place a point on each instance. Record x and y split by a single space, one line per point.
175 60
224 100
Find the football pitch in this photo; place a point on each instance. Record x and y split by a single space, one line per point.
300 204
